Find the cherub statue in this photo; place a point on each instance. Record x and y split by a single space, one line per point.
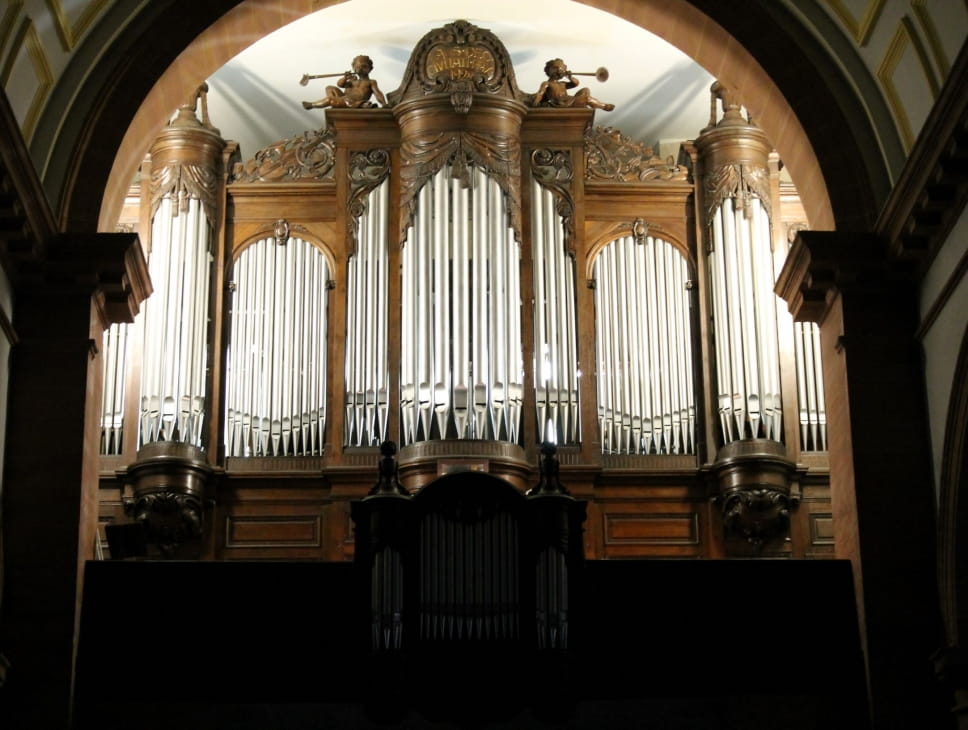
353 90
554 91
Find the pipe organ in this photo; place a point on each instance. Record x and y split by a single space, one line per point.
469 274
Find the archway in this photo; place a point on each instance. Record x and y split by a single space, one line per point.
802 115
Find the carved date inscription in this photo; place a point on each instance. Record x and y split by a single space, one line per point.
460 63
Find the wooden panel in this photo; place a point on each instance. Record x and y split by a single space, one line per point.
653 529
646 529
274 531
821 528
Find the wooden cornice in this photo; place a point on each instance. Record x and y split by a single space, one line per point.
932 189
26 220
111 265
822 263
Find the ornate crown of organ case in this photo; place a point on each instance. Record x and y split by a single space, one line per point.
470 271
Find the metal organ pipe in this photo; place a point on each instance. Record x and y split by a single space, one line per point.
747 354
644 348
813 415
367 369
556 360
114 343
461 350
275 373
176 324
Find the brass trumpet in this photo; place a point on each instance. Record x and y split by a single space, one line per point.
600 74
307 77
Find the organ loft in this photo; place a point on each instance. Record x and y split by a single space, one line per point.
454 404
470 270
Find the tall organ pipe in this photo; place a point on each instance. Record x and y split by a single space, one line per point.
645 360
275 390
556 353
461 349
367 368
176 324
733 159
115 344
184 187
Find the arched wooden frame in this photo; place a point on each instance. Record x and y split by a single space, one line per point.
268 231
623 228
691 381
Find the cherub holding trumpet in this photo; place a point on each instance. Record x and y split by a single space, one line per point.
554 91
353 90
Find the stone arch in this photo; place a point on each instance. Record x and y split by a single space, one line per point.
953 506
817 126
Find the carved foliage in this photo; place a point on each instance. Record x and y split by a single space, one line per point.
424 156
366 171
613 157
553 171
310 157
739 181
459 60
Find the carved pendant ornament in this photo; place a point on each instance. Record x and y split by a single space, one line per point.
610 156
310 157
183 182
740 182
553 171
423 156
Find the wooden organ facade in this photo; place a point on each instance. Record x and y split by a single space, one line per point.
470 275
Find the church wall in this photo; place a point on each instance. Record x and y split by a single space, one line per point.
944 301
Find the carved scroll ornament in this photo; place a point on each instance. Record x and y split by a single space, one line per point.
424 156
611 156
310 157
366 171
553 171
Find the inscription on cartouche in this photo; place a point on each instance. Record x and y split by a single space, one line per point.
460 62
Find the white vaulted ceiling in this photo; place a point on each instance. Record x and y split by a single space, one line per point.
659 93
